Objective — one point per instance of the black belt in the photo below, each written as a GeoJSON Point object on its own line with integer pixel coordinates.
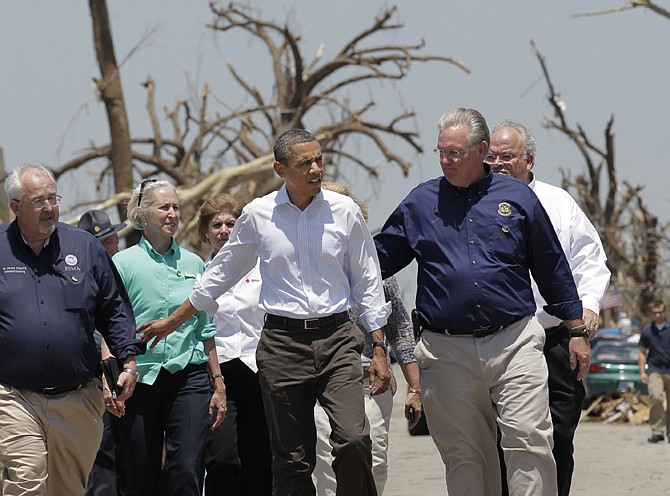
{"type": "Point", "coordinates": [53, 391]}
{"type": "Point", "coordinates": [285, 323]}
{"type": "Point", "coordinates": [477, 332]}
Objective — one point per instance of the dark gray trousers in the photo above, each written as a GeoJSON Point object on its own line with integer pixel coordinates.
{"type": "Point", "coordinates": [296, 367]}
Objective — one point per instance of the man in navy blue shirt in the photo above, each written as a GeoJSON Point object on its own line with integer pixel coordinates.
{"type": "Point", "coordinates": [654, 361]}
{"type": "Point", "coordinates": [57, 285]}
{"type": "Point", "coordinates": [475, 237]}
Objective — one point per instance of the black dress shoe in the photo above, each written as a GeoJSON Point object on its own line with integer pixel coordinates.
{"type": "Point", "coordinates": [656, 438]}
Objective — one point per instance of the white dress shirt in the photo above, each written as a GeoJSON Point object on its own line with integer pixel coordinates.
{"type": "Point", "coordinates": [581, 245]}
{"type": "Point", "coordinates": [313, 262]}
{"type": "Point", "coordinates": [239, 320]}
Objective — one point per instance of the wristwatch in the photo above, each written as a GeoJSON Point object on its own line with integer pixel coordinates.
{"type": "Point", "coordinates": [134, 373]}
{"type": "Point", "coordinates": [579, 332]}
{"type": "Point", "coordinates": [380, 344]}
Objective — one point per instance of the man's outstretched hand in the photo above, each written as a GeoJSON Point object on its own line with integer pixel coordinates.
{"type": "Point", "coordinates": [156, 330]}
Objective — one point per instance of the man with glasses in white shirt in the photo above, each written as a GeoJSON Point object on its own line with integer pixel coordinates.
{"type": "Point", "coordinates": [512, 152]}
{"type": "Point", "coordinates": [316, 258]}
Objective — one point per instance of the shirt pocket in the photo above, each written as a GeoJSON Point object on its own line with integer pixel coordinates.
{"type": "Point", "coordinates": [506, 239]}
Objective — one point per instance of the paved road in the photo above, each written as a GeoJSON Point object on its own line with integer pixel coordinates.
{"type": "Point", "coordinates": [611, 460]}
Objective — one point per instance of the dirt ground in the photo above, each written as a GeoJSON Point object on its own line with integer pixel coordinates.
{"type": "Point", "coordinates": [610, 460]}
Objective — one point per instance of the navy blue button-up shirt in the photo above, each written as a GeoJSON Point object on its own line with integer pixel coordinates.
{"type": "Point", "coordinates": [51, 303]}
{"type": "Point", "coordinates": [474, 248]}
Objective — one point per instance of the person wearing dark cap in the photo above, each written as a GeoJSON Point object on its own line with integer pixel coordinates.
{"type": "Point", "coordinates": [102, 479]}
{"type": "Point", "coordinates": [98, 224]}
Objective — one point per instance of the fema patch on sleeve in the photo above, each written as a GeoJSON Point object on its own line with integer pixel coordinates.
{"type": "Point", "coordinates": [504, 209]}
{"type": "Point", "coordinates": [71, 260]}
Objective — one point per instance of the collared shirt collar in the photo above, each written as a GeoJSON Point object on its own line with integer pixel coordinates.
{"type": "Point", "coordinates": [144, 243]}
{"type": "Point", "coordinates": [282, 196]}
{"type": "Point", "coordinates": [479, 186]}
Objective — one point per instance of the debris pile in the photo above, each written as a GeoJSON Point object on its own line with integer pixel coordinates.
{"type": "Point", "coordinates": [626, 408]}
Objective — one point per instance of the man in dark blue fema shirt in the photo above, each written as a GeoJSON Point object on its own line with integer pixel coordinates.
{"type": "Point", "coordinates": [57, 285]}
{"type": "Point", "coordinates": [475, 237]}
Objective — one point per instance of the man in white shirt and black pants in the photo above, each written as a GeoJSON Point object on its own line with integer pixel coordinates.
{"type": "Point", "coordinates": [512, 152]}
{"type": "Point", "coordinates": [316, 255]}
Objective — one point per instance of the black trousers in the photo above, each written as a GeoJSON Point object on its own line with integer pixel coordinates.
{"type": "Point", "coordinates": [102, 479]}
{"type": "Point", "coordinates": [296, 368]}
{"type": "Point", "coordinates": [170, 416]}
{"type": "Point", "coordinates": [566, 396]}
{"type": "Point", "coordinates": [238, 457]}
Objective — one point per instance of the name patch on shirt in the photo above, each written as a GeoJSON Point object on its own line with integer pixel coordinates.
{"type": "Point", "coordinates": [13, 270]}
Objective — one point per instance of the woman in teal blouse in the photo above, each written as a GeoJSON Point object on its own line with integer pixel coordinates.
{"type": "Point", "coordinates": [172, 400]}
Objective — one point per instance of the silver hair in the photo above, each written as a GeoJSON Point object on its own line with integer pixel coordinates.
{"type": "Point", "coordinates": [13, 185]}
{"type": "Point", "coordinates": [282, 147]}
{"type": "Point", "coordinates": [148, 190]}
{"type": "Point", "coordinates": [478, 130]}
{"type": "Point", "coordinates": [527, 138]}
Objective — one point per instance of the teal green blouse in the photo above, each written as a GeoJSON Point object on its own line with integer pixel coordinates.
{"type": "Point", "coordinates": [157, 284]}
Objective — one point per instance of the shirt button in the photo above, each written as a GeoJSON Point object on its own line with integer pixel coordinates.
{"type": "Point", "coordinates": [45, 322]}
{"type": "Point", "coordinates": [476, 283]}
{"type": "Point", "coordinates": [472, 241]}
{"type": "Point", "coordinates": [470, 221]}
{"type": "Point", "coordinates": [479, 306]}
{"type": "Point", "coordinates": [473, 262]}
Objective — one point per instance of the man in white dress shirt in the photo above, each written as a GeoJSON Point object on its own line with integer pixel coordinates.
{"type": "Point", "coordinates": [316, 256]}
{"type": "Point", "coordinates": [512, 152]}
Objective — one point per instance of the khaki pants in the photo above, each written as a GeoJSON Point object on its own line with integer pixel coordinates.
{"type": "Point", "coordinates": [469, 384]}
{"type": "Point", "coordinates": [69, 425]}
{"type": "Point", "coordinates": [378, 410]}
{"type": "Point", "coordinates": [659, 413]}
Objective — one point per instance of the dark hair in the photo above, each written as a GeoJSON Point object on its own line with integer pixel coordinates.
{"type": "Point", "coordinates": [283, 144]}
{"type": "Point", "coordinates": [213, 206]}
{"type": "Point", "coordinates": [656, 304]}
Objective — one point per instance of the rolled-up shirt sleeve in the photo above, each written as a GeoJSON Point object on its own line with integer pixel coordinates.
{"type": "Point", "coordinates": [366, 281]}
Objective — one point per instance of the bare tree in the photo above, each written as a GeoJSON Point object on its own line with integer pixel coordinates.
{"type": "Point", "coordinates": [210, 147]}
{"type": "Point", "coordinates": [632, 237]}
{"type": "Point", "coordinates": [111, 94]}
{"type": "Point", "coordinates": [645, 4]}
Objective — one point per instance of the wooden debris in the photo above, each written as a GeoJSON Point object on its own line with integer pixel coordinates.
{"type": "Point", "coordinates": [626, 408]}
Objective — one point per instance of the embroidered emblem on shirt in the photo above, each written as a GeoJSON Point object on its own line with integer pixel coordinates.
{"type": "Point", "coordinates": [504, 209]}
{"type": "Point", "coordinates": [71, 260]}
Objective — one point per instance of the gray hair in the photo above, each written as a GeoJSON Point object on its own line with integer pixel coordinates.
{"type": "Point", "coordinates": [148, 189]}
{"type": "Point", "coordinates": [527, 138]}
{"type": "Point", "coordinates": [13, 185]}
{"type": "Point", "coordinates": [282, 147]}
{"type": "Point", "coordinates": [478, 131]}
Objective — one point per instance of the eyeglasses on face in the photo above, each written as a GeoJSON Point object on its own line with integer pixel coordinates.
{"type": "Point", "coordinates": [504, 158]}
{"type": "Point", "coordinates": [453, 153]}
{"type": "Point", "coordinates": [142, 185]}
{"type": "Point", "coordinates": [38, 203]}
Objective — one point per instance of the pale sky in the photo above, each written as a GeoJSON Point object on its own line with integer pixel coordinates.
{"type": "Point", "coordinates": [616, 64]}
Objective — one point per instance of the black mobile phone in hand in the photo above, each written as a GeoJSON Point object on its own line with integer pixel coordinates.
{"type": "Point", "coordinates": [412, 415]}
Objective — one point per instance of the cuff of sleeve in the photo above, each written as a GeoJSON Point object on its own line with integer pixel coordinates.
{"type": "Point", "coordinates": [201, 300]}
{"type": "Point", "coordinates": [591, 303]}
{"type": "Point", "coordinates": [375, 318]}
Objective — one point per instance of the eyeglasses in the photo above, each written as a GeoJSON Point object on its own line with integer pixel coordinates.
{"type": "Point", "coordinates": [504, 158]}
{"type": "Point", "coordinates": [53, 200]}
{"type": "Point", "coordinates": [453, 154]}
{"type": "Point", "coordinates": [142, 185]}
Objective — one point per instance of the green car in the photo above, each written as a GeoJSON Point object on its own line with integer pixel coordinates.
{"type": "Point", "coordinates": [614, 370]}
